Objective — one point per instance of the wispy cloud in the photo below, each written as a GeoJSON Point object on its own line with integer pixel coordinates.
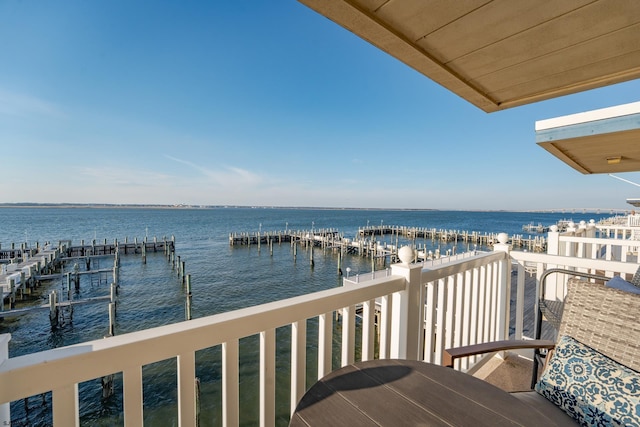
{"type": "Point", "coordinates": [123, 177]}
{"type": "Point", "coordinates": [224, 176]}
{"type": "Point", "coordinates": [19, 104]}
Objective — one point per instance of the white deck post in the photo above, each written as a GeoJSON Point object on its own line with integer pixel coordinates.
{"type": "Point", "coordinates": [407, 314]}
{"type": "Point", "coordinates": [5, 408]}
{"type": "Point", "coordinates": [504, 288]}
{"type": "Point", "coordinates": [553, 248]}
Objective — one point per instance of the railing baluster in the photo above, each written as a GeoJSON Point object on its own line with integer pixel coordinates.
{"type": "Point", "coordinates": [132, 396]}
{"type": "Point", "coordinates": [368, 312]}
{"type": "Point", "coordinates": [325, 339]}
{"type": "Point", "coordinates": [442, 316]}
{"type": "Point", "coordinates": [451, 310]}
{"type": "Point", "coordinates": [230, 384]}
{"type": "Point", "coordinates": [65, 406]}
{"type": "Point", "coordinates": [385, 326]}
{"type": "Point", "coordinates": [430, 322]}
{"type": "Point", "coordinates": [486, 304]}
{"type": "Point", "coordinates": [492, 301]}
{"type": "Point", "coordinates": [348, 335]}
{"type": "Point", "coordinates": [475, 309]}
{"type": "Point", "coordinates": [519, 321]}
{"type": "Point", "coordinates": [459, 310]}
{"type": "Point", "coordinates": [298, 361]}
{"type": "Point", "coordinates": [187, 389]}
{"type": "Point", "coordinates": [466, 315]}
{"type": "Point", "coordinates": [267, 378]}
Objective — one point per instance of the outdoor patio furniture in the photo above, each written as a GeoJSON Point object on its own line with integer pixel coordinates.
{"type": "Point", "coordinates": [598, 348]}
{"type": "Point", "coordinates": [551, 310]}
{"type": "Point", "coordinates": [392, 392]}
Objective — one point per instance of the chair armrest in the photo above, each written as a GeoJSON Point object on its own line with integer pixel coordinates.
{"type": "Point", "coordinates": [451, 354]}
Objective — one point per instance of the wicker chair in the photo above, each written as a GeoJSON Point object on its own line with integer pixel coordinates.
{"type": "Point", "coordinates": [551, 311]}
{"type": "Point", "coordinates": [600, 317]}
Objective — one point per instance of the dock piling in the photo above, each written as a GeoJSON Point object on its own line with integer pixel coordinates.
{"type": "Point", "coordinates": [12, 297]}
{"type": "Point", "coordinates": [188, 301]}
{"type": "Point", "coordinates": [53, 309]}
{"type": "Point", "coordinates": [112, 319]}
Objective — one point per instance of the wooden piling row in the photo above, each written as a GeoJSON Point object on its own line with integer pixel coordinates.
{"type": "Point", "coordinates": [45, 263]}
{"type": "Point", "coordinates": [332, 237]}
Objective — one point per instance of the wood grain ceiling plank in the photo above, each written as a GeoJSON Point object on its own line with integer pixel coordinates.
{"type": "Point", "coordinates": [416, 19]}
{"type": "Point", "coordinates": [586, 76]}
{"type": "Point", "coordinates": [588, 61]}
{"type": "Point", "coordinates": [495, 22]}
{"type": "Point", "coordinates": [590, 22]}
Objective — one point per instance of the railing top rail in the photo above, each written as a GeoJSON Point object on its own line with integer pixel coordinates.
{"type": "Point", "coordinates": [598, 264]}
{"type": "Point", "coordinates": [93, 359]}
{"type": "Point", "coordinates": [598, 240]}
{"type": "Point", "coordinates": [465, 264]}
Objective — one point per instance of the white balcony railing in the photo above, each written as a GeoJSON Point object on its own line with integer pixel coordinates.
{"type": "Point", "coordinates": [421, 312]}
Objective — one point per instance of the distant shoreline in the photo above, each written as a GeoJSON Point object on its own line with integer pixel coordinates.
{"type": "Point", "coordinates": [201, 207]}
{"type": "Point", "coordinates": [155, 206]}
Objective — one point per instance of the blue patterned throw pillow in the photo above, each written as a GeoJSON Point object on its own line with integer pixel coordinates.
{"type": "Point", "coordinates": [592, 388]}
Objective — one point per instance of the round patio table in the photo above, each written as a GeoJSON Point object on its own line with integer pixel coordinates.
{"type": "Point", "coordinates": [403, 392]}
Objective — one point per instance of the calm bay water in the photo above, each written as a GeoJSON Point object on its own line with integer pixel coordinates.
{"type": "Point", "coordinates": [223, 278]}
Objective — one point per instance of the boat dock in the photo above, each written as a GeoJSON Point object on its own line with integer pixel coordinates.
{"type": "Point", "coordinates": [364, 243]}
{"type": "Point", "coordinates": [24, 268]}
{"type": "Point", "coordinates": [535, 243]}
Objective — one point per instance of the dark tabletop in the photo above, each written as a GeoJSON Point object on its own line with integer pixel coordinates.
{"type": "Point", "coordinates": [402, 392]}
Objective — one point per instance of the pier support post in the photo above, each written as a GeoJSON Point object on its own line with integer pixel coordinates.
{"type": "Point", "coordinates": [188, 302]}
{"type": "Point", "coordinates": [113, 293]}
{"type": "Point", "coordinates": [311, 256]}
{"type": "Point", "coordinates": [53, 309]}
{"type": "Point", "coordinates": [23, 285]}
{"type": "Point", "coordinates": [112, 319]}
{"type": "Point", "coordinates": [12, 297]}
{"type": "Point", "coordinates": [144, 252]}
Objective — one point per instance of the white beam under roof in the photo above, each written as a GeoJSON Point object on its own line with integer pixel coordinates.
{"type": "Point", "coordinates": [598, 141]}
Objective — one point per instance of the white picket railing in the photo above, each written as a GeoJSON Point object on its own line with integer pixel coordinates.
{"type": "Point", "coordinates": [422, 312]}
{"type": "Point", "coordinates": [60, 370]}
{"type": "Point", "coordinates": [467, 302]}
{"type": "Point", "coordinates": [400, 335]}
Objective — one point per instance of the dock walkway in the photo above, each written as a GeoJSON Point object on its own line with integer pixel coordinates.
{"type": "Point", "coordinates": [364, 244]}
{"type": "Point", "coordinates": [23, 268]}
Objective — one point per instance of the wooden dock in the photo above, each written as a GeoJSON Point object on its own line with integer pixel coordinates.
{"type": "Point", "coordinates": [24, 268]}
{"type": "Point", "coordinates": [536, 243]}
{"type": "Point", "coordinates": [365, 244]}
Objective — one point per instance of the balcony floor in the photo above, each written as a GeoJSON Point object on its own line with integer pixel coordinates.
{"type": "Point", "coordinates": [510, 374]}
{"type": "Point", "coordinates": [513, 373]}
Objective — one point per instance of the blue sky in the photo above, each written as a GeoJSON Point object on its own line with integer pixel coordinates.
{"type": "Point", "coordinates": [258, 103]}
